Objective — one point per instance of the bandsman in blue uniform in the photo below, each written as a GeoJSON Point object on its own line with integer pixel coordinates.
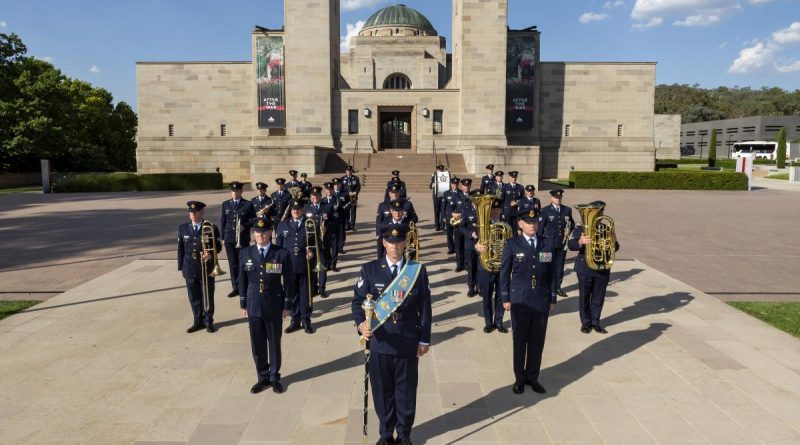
{"type": "Point", "coordinates": [396, 181]}
{"type": "Point", "coordinates": [487, 179]}
{"type": "Point", "coordinates": [263, 201]}
{"type": "Point", "coordinates": [525, 288]}
{"type": "Point", "coordinates": [281, 199]}
{"type": "Point", "coordinates": [592, 284]}
{"type": "Point", "coordinates": [291, 235]}
{"type": "Point", "coordinates": [447, 213]}
{"type": "Point", "coordinates": [343, 209]}
{"type": "Point", "coordinates": [497, 188]}
{"type": "Point", "coordinates": [488, 281]}
{"type": "Point", "coordinates": [292, 182]}
{"type": "Point", "coordinates": [555, 226]}
{"type": "Point", "coordinates": [469, 234]}
{"type": "Point", "coordinates": [265, 296]}
{"type": "Point", "coordinates": [437, 200]}
{"type": "Point", "coordinates": [396, 346]}
{"type": "Point", "coordinates": [236, 208]}
{"type": "Point", "coordinates": [331, 238]}
{"type": "Point", "coordinates": [456, 209]}
{"type": "Point", "coordinates": [320, 214]}
{"type": "Point", "coordinates": [351, 185]}
{"type": "Point", "coordinates": [530, 201]}
{"type": "Point", "coordinates": [305, 186]}
{"type": "Point", "coordinates": [190, 254]}
{"type": "Point", "coordinates": [512, 196]}
{"type": "Point", "coordinates": [397, 217]}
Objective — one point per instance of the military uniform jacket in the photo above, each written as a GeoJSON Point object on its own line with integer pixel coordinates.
{"type": "Point", "coordinates": [343, 202]}
{"type": "Point", "coordinates": [265, 286]}
{"type": "Point", "coordinates": [281, 198]}
{"type": "Point", "coordinates": [525, 275]}
{"type": "Point", "coordinates": [305, 187]}
{"type": "Point", "coordinates": [291, 184]}
{"type": "Point", "coordinates": [399, 335]}
{"type": "Point", "coordinates": [259, 203]}
{"type": "Point", "coordinates": [485, 181]}
{"type": "Point", "coordinates": [351, 184]}
{"type": "Point", "coordinates": [401, 189]}
{"type": "Point", "coordinates": [319, 214]}
{"type": "Point", "coordinates": [581, 268]}
{"type": "Point", "coordinates": [332, 209]}
{"type": "Point", "coordinates": [498, 190]}
{"type": "Point", "coordinates": [384, 215]}
{"type": "Point", "coordinates": [469, 224]}
{"type": "Point", "coordinates": [458, 203]}
{"type": "Point", "coordinates": [447, 200]}
{"type": "Point", "coordinates": [246, 214]}
{"type": "Point", "coordinates": [513, 192]}
{"type": "Point", "coordinates": [553, 226]}
{"type": "Point", "coordinates": [526, 203]}
{"type": "Point", "coordinates": [293, 239]}
{"type": "Point", "coordinates": [190, 251]}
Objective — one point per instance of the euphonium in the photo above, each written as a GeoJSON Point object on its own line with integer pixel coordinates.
{"type": "Point", "coordinates": [412, 242]}
{"type": "Point", "coordinates": [601, 250]}
{"type": "Point", "coordinates": [208, 243]}
{"type": "Point", "coordinates": [494, 236]}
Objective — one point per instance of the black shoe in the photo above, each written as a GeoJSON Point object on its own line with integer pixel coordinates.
{"type": "Point", "coordinates": [277, 387]}
{"type": "Point", "coordinates": [403, 442]}
{"type": "Point", "coordinates": [536, 387]}
{"type": "Point", "coordinates": [599, 329]}
{"type": "Point", "coordinates": [471, 293]}
{"type": "Point", "coordinates": [309, 329]}
{"type": "Point", "coordinates": [292, 328]}
{"type": "Point", "coordinates": [194, 328]}
{"type": "Point", "coordinates": [258, 387]}
{"type": "Point", "coordinates": [488, 329]}
{"type": "Point", "coordinates": [586, 328]}
{"type": "Point", "coordinates": [561, 293]}
{"type": "Point", "coordinates": [450, 252]}
{"type": "Point", "coordinates": [335, 269]}
{"type": "Point", "coordinates": [323, 295]}
{"type": "Point", "coordinates": [502, 329]}
{"type": "Point", "coordinates": [518, 388]}
{"type": "Point", "coordinates": [385, 442]}
{"type": "Point", "coordinates": [460, 269]}
{"type": "Point", "coordinates": [211, 329]}
{"type": "Point", "coordinates": [233, 293]}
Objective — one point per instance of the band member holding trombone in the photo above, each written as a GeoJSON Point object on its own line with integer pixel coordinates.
{"type": "Point", "coordinates": [291, 235]}
{"type": "Point", "coordinates": [191, 254]}
{"type": "Point", "coordinates": [401, 289]}
{"type": "Point", "coordinates": [237, 217]}
{"type": "Point", "coordinates": [266, 290]}
{"type": "Point", "coordinates": [281, 200]}
{"type": "Point", "coordinates": [320, 215]}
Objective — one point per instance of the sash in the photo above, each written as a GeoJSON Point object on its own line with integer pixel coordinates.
{"type": "Point", "coordinates": [395, 294]}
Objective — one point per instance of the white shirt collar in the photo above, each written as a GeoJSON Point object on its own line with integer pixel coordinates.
{"type": "Point", "coordinates": [265, 247]}
{"type": "Point", "coordinates": [399, 264]}
{"type": "Point", "coordinates": [529, 238]}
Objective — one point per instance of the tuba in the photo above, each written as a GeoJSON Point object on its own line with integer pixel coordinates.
{"type": "Point", "coordinates": [601, 250]}
{"type": "Point", "coordinates": [208, 242]}
{"type": "Point", "coordinates": [412, 242]}
{"type": "Point", "coordinates": [494, 236]}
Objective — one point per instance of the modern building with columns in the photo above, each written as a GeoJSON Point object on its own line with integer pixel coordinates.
{"type": "Point", "coordinates": [491, 100]}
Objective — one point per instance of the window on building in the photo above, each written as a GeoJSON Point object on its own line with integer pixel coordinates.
{"type": "Point", "coordinates": [171, 130]}
{"type": "Point", "coordinates": [732, 130]}
{"type": "Point", "coordinates": [775, 128]}
{"type": "Point", "coordinates": [397, 81]}
{"type": "Point", "coordinates": [748, 129]}
{"type": "Point", "coordinates": [223, 130]}
{"type": "Point", "coordinates": [797, 129]}
{"type": "Point", "coordinates": [438, 121]}
{"type": "Point", "coordinates": [619, 130]}
{"type": "Point", "coordinates": [352, 121]}
{"type": "Point", "coordinates": [702, 132]}
{"type": "Point", "coordinates": [690, 133]}
{"type": "Point", "coordinates": [718, 131]}
{"type": "Point", "coordinates": [568, 130]}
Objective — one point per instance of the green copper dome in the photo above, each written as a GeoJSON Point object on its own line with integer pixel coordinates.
{"type": "Point", "coordinates": [399, 15]}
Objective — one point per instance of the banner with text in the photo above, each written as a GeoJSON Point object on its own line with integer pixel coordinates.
{"type": "Point", "coordinates": [521, 62]}
{"type": "Point", "coordinates": [270, 82]}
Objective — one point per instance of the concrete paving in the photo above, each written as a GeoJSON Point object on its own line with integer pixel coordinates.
{"type": "Point", "coordinates": [108, 361]}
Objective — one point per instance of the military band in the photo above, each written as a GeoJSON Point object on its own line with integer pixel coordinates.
{"type": "Point", "coordinates": [487, 280]}
{"type": "Point", "coordinates": [555, 226]}
{"type": "Point", "coordinates": [194, 249]}
{"type": "Point", "coordinates": [291, 235]}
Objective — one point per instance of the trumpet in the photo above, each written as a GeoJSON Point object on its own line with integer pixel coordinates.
{"type": "Point", "coordinates": [208, 242]}
{"type": "Point", "coordinates": [312, 242]}
{"type": "Point", "coordinates": [455, 220]}
{"type": "Point", "coordinates": [412, 242]}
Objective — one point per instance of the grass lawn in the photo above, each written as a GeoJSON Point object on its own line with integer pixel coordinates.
{"type": "Point", "coordinates": [11, 307]}
{"type": "Point", "coordinates": [20, 190]}
{"type": "Point", "coordinates": [783, 315]}
{"type": "Point", "coordinates": [783, 176]}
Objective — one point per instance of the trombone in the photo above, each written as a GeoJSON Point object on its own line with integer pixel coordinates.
{"type": "Point", "coordinates": [312, 242]}
{"type": "Point", "coordinates": [208, 243]}
{"type": "Point", "coordinates": [238, 227]}
{"type": "Point", "coordinates": [412, 242]}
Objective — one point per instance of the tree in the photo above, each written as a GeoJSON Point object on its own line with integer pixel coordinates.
{"type": "Point", "coordinates": [781, 155]}
{"type": "Point", "coordinates": [712, 149]}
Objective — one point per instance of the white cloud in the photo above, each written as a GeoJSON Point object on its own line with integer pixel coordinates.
{"type": "Point", "coordinates": [788, 35]}
{"type": "Point", "coordinates": [614, 4]}
{"type": "Point", "coordinates": [765, 55]}
{"type": "Point", "coordinates": [352, 5]}
{"type": "Point", "coordinates": [588, 17]}
{"type": "Point", "coordinates": [690, 12]}
{"type": "Point", "coordinates": [94, 69]}
{"type": "Point", "coordinates": [3, 24]}
{"type": "Point", "coordinates": [655, 21]}
{"type": "Point", "coordinates": [47, 59]}
{"type": "Point", "coordinates": [722, 45]}
{"type": "Point", "coordinates": [352, 31]}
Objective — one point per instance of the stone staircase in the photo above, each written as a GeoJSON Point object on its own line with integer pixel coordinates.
{"type": "Point", "coordinates": [375, 169]}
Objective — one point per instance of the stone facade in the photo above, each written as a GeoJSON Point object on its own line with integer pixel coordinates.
{"type": "Point", "coordinates": [666, 136]}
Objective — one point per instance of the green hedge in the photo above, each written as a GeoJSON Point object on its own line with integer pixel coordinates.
{"type": "Point", "coordinates": [664, 180]}
{"type": "Point", "coordinates": [131, 182]}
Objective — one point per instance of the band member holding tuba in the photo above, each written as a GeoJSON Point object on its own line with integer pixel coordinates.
{"type": "Point", "coordinates": [191, 254]}
{"type": "Point", "coordinates": [351, 185]}
{"type": "Point", "coordinates": [555, 226]}
{"type": "Point", "coordinates": [491, 236]}
{"type": "Point", "coordinates": [593, 240]}
{"type": "Point", "coordinates": [446, 214]}
{"type": "Point", "coordinates": [403, 294]}
{"type": "Point", "coordinates": [265, 295]}
{"type": "Point", "coordinates": [291, 235]}
{"type": "Point", "coordinates": [237, 217]}
{"type": "Point", "coordinates": [526, 290]}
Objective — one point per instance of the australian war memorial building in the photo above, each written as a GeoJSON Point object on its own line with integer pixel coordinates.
{"type": "Point", "coordinates": [491, 100]}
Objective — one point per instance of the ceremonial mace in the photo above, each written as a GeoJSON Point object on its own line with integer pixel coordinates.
{"type": "Point", "coordinates": [369, 310]}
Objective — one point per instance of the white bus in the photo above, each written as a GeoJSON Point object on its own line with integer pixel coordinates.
{"type": "Point", "coordinates": [759, 149]}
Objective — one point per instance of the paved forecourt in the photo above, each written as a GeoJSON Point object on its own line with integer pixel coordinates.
{"type": "Point", "coordinates": [109, 362]}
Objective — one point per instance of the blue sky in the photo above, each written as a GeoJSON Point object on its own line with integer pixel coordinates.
{"type": "Point", "coordinates": [711, 42]}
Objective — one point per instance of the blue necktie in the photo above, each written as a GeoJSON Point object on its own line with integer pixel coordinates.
{"type": "Point", "coordinates": [394, 271]}
{"type": "Point", "coordinates": [263, 254]}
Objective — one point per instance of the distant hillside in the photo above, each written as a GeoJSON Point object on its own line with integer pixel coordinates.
{"type": "Point", "coordinates": [697, 104]}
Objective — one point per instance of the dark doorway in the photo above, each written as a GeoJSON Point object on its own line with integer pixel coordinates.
{"type": "Point", "coordinates": [395, 130]}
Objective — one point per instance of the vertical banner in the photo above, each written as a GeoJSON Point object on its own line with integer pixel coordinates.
{"type": "Point", "coordinates": [270, 82]}
{"type": "Point", "coordinates": [521, 63]}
